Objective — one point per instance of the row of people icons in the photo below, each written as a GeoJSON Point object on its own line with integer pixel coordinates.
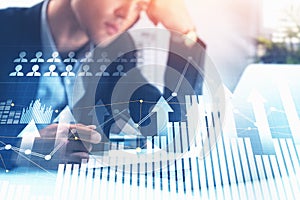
{"type": "Point", "coordinates": [85, 71]}
{"type": "Point", "coordinates": [137, 57]}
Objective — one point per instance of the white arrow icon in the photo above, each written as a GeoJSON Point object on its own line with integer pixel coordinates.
{"type": "Point", "coordinates": [290, 110]}
{"type": "Point", "coordinates": [162, 108]}
{"type": "Point", "coordinates": [65, 118]}
{"type": "Point", "coordinates": [193, 116]}
{"type": "Point", "coordinates": [262, 123]}
{"type": "Point", "coordinates": [229, 127]}
{"type": "Point", "coordinates": [28, 134]}
{"type": "Point", "coordinates": [98, 113]}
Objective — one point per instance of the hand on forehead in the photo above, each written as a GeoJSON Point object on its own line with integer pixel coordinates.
{"type": "Point", "coordinates": [142, 4]}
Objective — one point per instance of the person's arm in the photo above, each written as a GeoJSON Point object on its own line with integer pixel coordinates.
{"type": "Point", "coordinates": [185, 72]}
{"type": "Point", "coordinates": [185, 44]}
{"type": "Point", "coordinates": [183, 51]}
{"type": "Point", "coordinates": [172, 14]}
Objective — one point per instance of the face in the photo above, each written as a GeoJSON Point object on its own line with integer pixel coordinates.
{"type": "Point", "coordinates": [103, 20]}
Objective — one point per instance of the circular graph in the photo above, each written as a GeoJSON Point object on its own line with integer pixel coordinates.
{"type": "Point", "coordinates": [152, 98]}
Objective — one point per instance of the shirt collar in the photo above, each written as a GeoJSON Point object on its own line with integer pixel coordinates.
{"type": "Point", "coordinates": [48, 43]}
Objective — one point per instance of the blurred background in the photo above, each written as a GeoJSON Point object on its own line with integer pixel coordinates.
{"type": "Point", "coordinates": [238, 32]}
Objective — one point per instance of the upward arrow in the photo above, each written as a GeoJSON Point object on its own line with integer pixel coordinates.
{"type": "Point", "coordinates": [262, 123]}
{"type": "Point", "coordinates": [162, 108]}
{"type": "Point", "coordinates": [65, 118]}
{"type": "Point", "coordinates": [193, 115]}
{"type": "Point", "coordinates": [229, 127]}
{"type": "Point", "coordinates": [98, 113]}
{"type": "Point", "coordinates": [28, 134]}
{"type": "Point", "coordinates": [290, 109]}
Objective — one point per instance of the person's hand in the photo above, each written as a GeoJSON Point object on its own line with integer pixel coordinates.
{"type": "Point", "coordinates": [172, 14]}
{"type": "Point", "coordinates": [72, 143]}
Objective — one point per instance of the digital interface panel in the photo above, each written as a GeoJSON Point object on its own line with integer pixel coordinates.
{"type": "Point", "coordinates": [178, 143]}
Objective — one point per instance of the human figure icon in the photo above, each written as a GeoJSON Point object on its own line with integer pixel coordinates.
{"type": "Point", "coordinates": [68, 71]}
{"type": "Point", "coordinates": [120, 58]}
{"type": "Point", "coordinates": [54, 58]}
{"type": "Point", "coordinates": [17, 71]}
{"type": "Point", "coordinates": [38, 58]}
{"type": "Point", "coordinates": [104, 58]}
{"type": "Point", "coordinates": [88, 57]}
{"type": "Point", "coordinates": [102, 71]}
{"type": "Point", "coordinates": [71, 58]}
{"type": "Point", "coordinates": [137, 57]}
{"type": "Point", "coordinates": [51, 71]}
{"type": "Point", "coordinates": [85, 71]}
{"type": "Point", "coordinates": [34, 72]}
{"type": "Point", "coordinates": [21, 58]}
{"type": "Point", "coordinates": [119, 71]}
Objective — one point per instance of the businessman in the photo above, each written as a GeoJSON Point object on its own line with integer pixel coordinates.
{"type": "Point", "coordinates": [65, 26]}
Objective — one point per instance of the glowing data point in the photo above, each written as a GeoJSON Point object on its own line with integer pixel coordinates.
{"type": "Point", "coordinates": [56, 111]}
{"type": "Point", "coordinates": [174, 94]}
{"type": "Point", "coordinates": [12, 104]}
{"type": "Point", "coordinates": [27, 151]}
{"type": "Point", "coordinates": [7, 171]}
{"type": "Point", "coordinates": [141, 101]}
{"type": "Point", "coordinates": [48, 157]}
{"type": "Point", "coordinates": [249, 128]}
{"type": "Point", "coordinates": [138, 150]}
{"type": "Point", "coordinates": [7, 147]}
{"type": "Point", "coordinates": [76, 138]}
